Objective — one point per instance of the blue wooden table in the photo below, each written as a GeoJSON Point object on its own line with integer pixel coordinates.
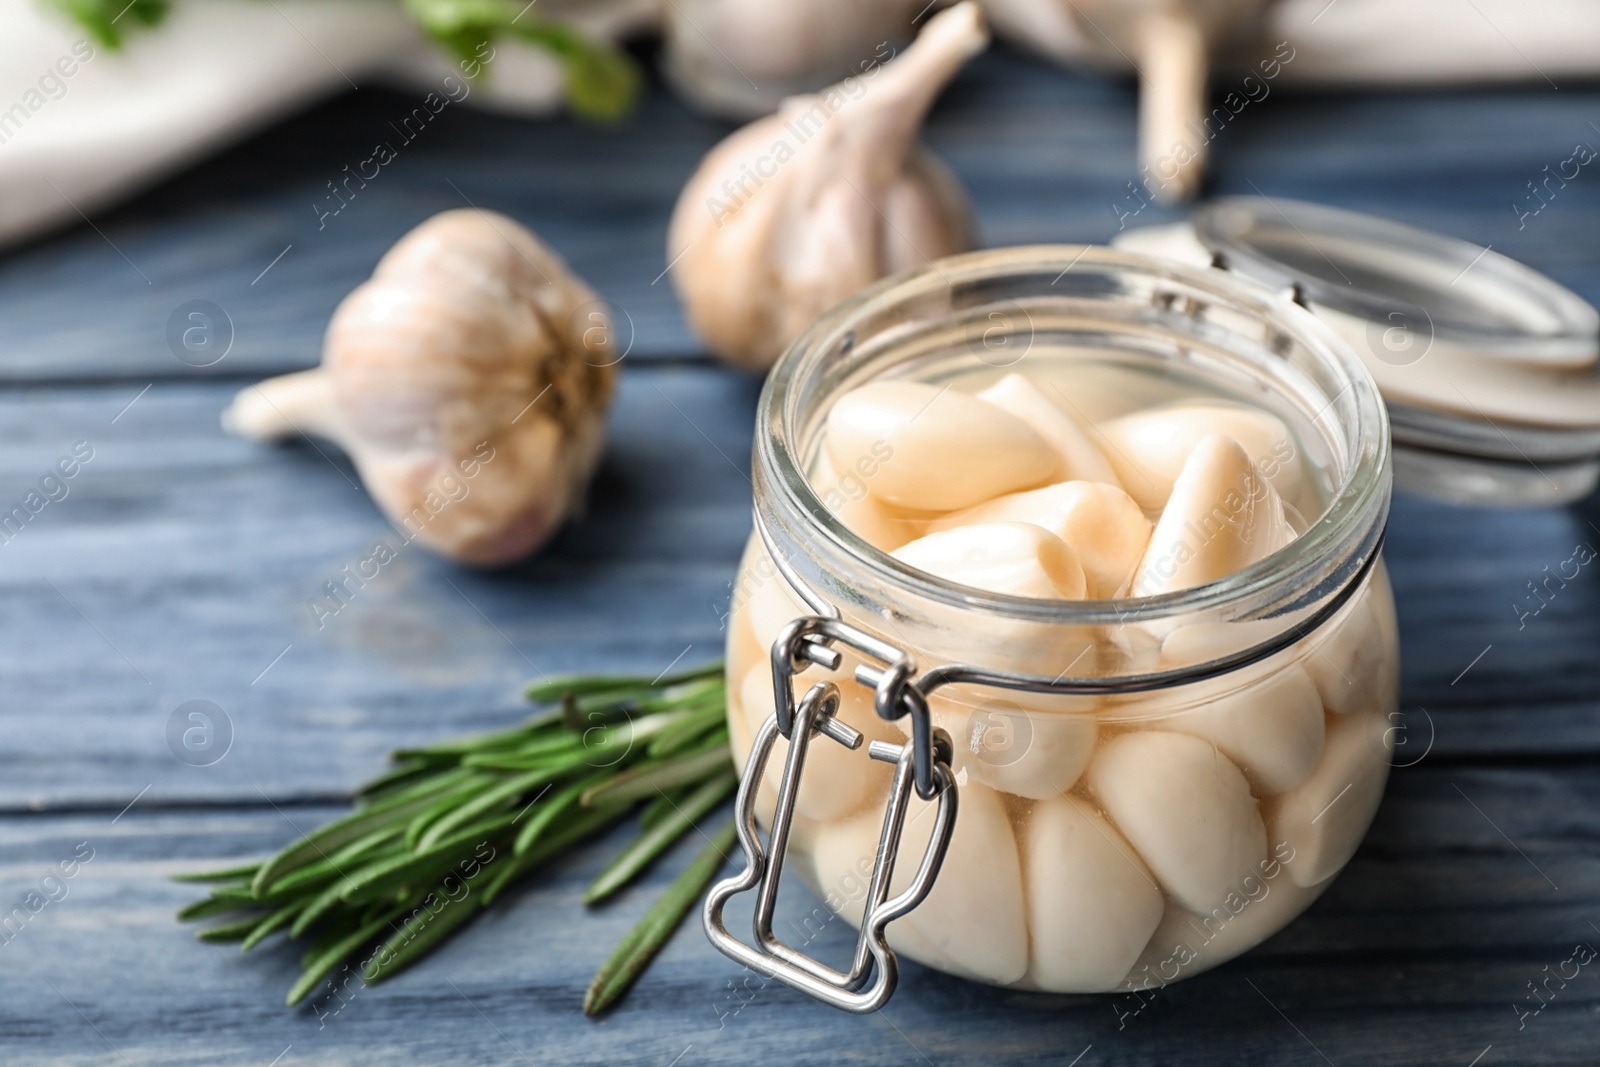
{"type": "Point", "coordinates": [180, 563]}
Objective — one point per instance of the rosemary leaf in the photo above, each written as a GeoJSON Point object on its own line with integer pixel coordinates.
{"type": "Point", "coordinates": [229, 874]}
{"type": "Point", "coordinates": [656, 840]}
{"type": "Point", "coordinates": [319, 843]}
{"type": "Point", "coordinates": [547, 811]}
{"type": "Point", "coordinates": [237, 930]}
{"type": "Point", "coordinates": [271, 924]}
{"type": "Point", "coordinates": [209, 908]}
{"type": "Point", "coordinates": [322, 964]}
{"type": "Point", "coordinates": [584, 823]}
{"type": "Point", "coordinates": [420, 935]}
{"type": "Point", "coordinates": [629, 959]}
{"type": "Point", "coordinates": [498, 796]}
{"type": "Point", "coordinates": [646, 779]}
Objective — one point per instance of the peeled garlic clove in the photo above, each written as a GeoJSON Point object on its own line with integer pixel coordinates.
{"type": "Point", "coordinates": [795, 212]}
{"type": "Point", "coordinates": [1271, 726]}
{"type": "Point", "coordinates": [1324, 819]}
{"type": "Point", "coordinates": [880, 525]}
{"type": "Point", "coordinates": [741, 58]}
{"type": "Point", "coordinates": [843, 855]}
{"type": "Point", "coordinates": [740, 740]}
{"type": "Point", "coordinates": [1092, 903]}
{"type": "Point", "coordinates": [467, 380]}
{"type": "Point", "coordinates": [1100, 523]}
{"type": "Point", "coordinates": [1078, 458]}
{"type": "Point", "coordinates": [1222, 516]}
{"type": "Point", "coordinates": [937, 449]}
{"type": "Point", "coordinates": [1020, 743]}
{"type": "Point", "coordinates": [1185, 944]}
{"type": "Point", "coordinates": [836, 782]}
{"type": "Point", "coordinates": [1349, 664]}
{"type": "Point", "coordinates": [1186, 808]}
{"type": "Point", "coordinates": [973, 920]}
{"type": "Point", "coordinates": [1149, 448]}
{"type": "Point", "coordinates": [763, 596]}
{"type": "Point", "coordinates": [1011, 558]}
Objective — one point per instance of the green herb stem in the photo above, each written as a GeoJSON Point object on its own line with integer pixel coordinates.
{"type": "Point", "coordinates": [629, 959]}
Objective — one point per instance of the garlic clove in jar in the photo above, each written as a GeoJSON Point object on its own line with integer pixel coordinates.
{"type": "Point", "coordinates": [880, 525]}
{"type": "Point", "coordinates": [1026, 744]}
{"type": "Point", "coordinates": [1324, 819]}
{"type": "Point", "coordinates": [1149, 448]}
{"type": "Point", "coordinates": [1102, 525]}
{"type": "Point", "coordinates": [1187, 810]}
{"type": "Point", "coordinates": [1270, 724]}
{"type": "Point", "coordinates": [1011, 558]}
{"type": "Point", "coordinates": [1349, 664]}
{"type": "Point", "coordinates": [763, 596]}
{"type": "Point", "coordinates": [793, 213]}
{"type": "Point", "coordinates": [1078, 457]}
{"type": "Point", "coordinates": [1222, 516]}
{"type": "Point", "coordinates": [973, 921]}
{"type": "Point", "coordinates": [836, 782]}
{"type": "Point", "coordinates": [1185, 944]}
{"type": "Point", "coordinates": [741, 739]}
{"type": "Point", "coordinates": [937, 449]}
{"type": "Point", "coordinates": [740, 58]}
{"type": "Point", "coordinates": [467, 380]}
{"type": "Point", "coordinates": [1092, 903]}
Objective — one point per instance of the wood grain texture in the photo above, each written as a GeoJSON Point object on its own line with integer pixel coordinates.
{"type": "Point", "coordinates": [182, 563]}
{"type": "Point", "coordinates": [1046, 155]}
{"type": "Point", "coordinates": [1416, 955]}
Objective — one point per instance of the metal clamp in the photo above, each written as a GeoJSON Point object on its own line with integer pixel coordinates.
{"type": "Point", "coordinates": [804, 642]}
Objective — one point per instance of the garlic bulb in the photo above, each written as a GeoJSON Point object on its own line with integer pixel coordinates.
{"type": "Point", "coordinates": [1169, 42]}
{"type": "Point", "coordinates": [740, 58]}
{"type": "Point", "coordinates": [795, 212]}
{"type": "Point", "coordinates": [467, 379]}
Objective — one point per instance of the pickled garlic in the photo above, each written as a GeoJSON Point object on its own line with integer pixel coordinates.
{"type": "Point", "coordinates": [1095, 833]}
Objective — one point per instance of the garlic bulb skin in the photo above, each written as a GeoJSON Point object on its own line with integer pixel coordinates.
{"type": "Point", "coordinates": [468, 381]}
{"type": "Point", "coordinates": [797, 211]}
{"type": "Point", "coordinates": [739, 59]}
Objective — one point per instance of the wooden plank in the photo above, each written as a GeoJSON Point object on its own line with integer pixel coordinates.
{"type": "Point", "coordinates": [1416, 955]}
{"type": "Point", "coordinates": [184, 562]}
{"type": "Point", "coordinates": [1046, 155]}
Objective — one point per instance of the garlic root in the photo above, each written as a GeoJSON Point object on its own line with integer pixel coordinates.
{"type": "Point", "coordinates": [796, 211]}
{"type": "Point", "coordinates": [1172, 95]}
{"type": "Point", "coordinates": [467, 379]}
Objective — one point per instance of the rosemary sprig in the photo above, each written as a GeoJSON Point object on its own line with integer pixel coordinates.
{"type": "Point", "coordinates": [437, 838]}
{"type": "Point", "coordinates": [629, 959]}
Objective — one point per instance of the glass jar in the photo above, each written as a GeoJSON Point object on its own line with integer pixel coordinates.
{"type": "Point", "coordinates": [1157, 784]}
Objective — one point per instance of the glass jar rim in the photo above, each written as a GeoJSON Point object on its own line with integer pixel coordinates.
{"type": "Point", "coordinates": [1350, 526]}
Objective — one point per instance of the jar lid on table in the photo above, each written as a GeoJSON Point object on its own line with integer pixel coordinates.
{"type": "Point", "coordinates": [1488, 368]}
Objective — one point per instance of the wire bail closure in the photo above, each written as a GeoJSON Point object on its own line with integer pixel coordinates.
{"type": "Point", "coordinates": [923, 764]}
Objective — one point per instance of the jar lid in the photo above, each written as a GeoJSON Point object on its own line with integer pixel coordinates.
{"type": "Point", "coordinates": [1489, 368]}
